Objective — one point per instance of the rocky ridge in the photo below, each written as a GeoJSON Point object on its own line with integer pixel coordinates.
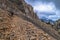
{"type": "Point", "coordinates": [19, 22]}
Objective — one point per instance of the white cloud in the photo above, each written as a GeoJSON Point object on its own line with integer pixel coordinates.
{"type": "Point", "coordinates": [54, 17]}
{"type": "Point", "coordinates": [45, 7]}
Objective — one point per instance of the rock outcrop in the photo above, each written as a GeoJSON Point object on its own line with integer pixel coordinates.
{"type": "Point", "coordinates": [19, 22]}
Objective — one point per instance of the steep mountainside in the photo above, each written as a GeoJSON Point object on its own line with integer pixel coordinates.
{"type": "Point", "coordinates": [19, 22]}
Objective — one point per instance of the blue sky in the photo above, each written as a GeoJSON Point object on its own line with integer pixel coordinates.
{"type": "Point", "coordinates": [46, 8]}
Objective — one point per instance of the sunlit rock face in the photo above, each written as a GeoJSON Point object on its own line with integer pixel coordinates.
{"type": "Point", "coordinates": [46, 8]}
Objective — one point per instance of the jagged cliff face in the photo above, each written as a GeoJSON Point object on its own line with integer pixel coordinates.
{"type": "Point", "coordinates": [15, 6]}
{"type": "Point", "coordinates": [13, 23]}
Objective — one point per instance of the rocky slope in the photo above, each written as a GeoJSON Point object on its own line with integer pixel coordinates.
{"type": "Point", "coordinates": [19, 22]}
